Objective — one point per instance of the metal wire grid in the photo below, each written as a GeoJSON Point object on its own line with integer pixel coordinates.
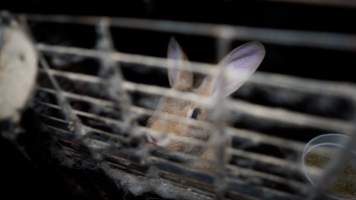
{"type": "Point", "coordinates": [264, 176]}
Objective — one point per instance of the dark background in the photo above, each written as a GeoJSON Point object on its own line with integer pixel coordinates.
{"type": "Point", "coordinates": [19, 178]}
{"type": "Point", "coordinates": [305, 62]}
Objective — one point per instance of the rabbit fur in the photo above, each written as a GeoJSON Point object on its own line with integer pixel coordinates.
{"type": "Point", "coordinates": [240, 64]}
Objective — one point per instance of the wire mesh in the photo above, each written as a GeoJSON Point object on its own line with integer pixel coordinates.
{"type": "Point", "coordinates": [107, 113]}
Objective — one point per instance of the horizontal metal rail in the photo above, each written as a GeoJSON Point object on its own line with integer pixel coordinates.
{"type": "Point", "coordinates": [337, 41]}
{"type": "Point", "coordinates": [276, 114]}
{"type": "Point", "coordinates": [334, 3]}
{"type": "Point", "coordinates": [263, 78]}
{"type": "Point", "coordinates": [235, 170]}
{"type": "Point", "coordinates": [288, 164]}
{"type": "Point", "coordinates": [168, 116]}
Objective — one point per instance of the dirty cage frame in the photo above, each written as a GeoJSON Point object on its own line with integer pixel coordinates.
{"type": "Point", "coordinates": [128, 166]}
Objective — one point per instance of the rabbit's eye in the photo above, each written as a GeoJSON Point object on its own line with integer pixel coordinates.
{"type": "Point", "coordinates": [195, 113]}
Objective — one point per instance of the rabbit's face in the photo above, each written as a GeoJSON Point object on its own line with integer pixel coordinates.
{"type": "Point", "coordinates": [181, 109]}
{"type": "Point", "coordinates": [239, 65]}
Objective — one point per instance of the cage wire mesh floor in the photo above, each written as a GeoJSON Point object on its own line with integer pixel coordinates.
{"type": "Point", "coordinates": [94, 103]}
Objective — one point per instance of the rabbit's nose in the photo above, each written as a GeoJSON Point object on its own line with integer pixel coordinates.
{"type": "Point", "coordinates": [150, 139]}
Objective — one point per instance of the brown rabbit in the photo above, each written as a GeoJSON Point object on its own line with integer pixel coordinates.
{"type": "Point", "coordinates": [240, 64]}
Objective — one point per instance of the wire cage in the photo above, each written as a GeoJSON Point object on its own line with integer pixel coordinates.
{"type": "Point", "coordinates": [94, 103]}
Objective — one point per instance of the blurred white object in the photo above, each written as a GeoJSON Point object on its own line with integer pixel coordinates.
{"type": "Point", "coordinates": [322, 150]}
{"type": "Point", "coordinates": [18, 70]}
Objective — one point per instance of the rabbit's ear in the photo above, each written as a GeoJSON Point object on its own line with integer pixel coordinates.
{"type": "Point", "coordinates": [178, 78]}
{"type": "Point", "coordinates": [239, 65]}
